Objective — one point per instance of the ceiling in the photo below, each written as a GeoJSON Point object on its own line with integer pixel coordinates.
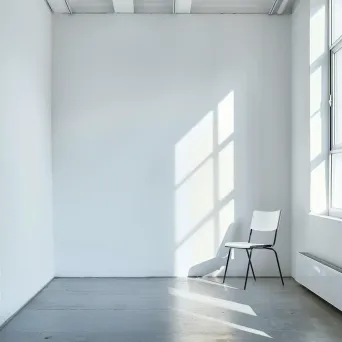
{"type": "Point", "coordinates": [275, 7]}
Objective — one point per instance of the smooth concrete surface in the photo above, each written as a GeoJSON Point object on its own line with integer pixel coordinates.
{"type": "Point", "coordinates": [169, 309]}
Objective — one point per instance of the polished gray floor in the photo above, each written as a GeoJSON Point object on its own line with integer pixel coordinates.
{"type": "Point", "coordinates": [174, 310]}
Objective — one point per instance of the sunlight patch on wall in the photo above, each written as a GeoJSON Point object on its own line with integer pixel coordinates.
{"type": "Point", "coordinates": [317, 35]}
{"type": "Point", "coordinates": [204, 177]}
{"type": "Point", "coordinates": [316, 135]}
{"type": "Point", "coordinates": [316, 91]}
{"type": "Point", "coordinates": [226, 218]}
{"type": "Point", "coordinates": [197, 248]}
{"type": "Point", "coordinates": [226, 118]}
{"type": "Point", "coordinates": [194, 200]}
{"type": "Point", "coordinates": [226, 170]}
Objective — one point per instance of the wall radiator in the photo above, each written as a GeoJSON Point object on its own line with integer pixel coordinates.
{"type": "Point", "coordinates": [320, 277]}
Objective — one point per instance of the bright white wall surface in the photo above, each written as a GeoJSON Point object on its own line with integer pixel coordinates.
{"type": "Point", "coordinates": [26, 244]}
{"type": "Point", "coordinates": [315, 234]}
{"type": "Point", "coordinates": [167, 130]}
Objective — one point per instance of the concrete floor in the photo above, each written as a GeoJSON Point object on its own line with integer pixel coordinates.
{"type": "Point", "coordinates": [174, 310]}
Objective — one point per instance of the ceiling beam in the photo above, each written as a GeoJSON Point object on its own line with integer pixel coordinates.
{"type": "Point", "coordinates": [67, 5]}
{"type": "Point", "coordinates": [182, 6]}
{"type": "Point", "coordinates": [59, 6]}
{"type": "Point", "coordinates": [282, 7]}
{"type": "Point", "coordinates": [275, 7]}
{"type": "Point", "coordinates": [123, 6]}
{"type": "Point", "coordinates": [49, 6]}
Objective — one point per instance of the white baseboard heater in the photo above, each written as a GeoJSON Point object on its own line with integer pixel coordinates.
{"type": "Point", "coordinates": [320, 277]}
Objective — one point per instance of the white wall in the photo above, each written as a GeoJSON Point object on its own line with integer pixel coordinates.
{"type": "Point", "coordinates": [26, 246]}
{"type": "Point", "coordinates": [137, 104]}
{"type": "Point", "coordinates": [300, 126]}
{"type": "Point", "coordinates": [315, 234]}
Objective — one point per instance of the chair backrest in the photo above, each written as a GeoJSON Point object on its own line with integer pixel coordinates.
{"type": "Point", "coordinates": [265, 221]}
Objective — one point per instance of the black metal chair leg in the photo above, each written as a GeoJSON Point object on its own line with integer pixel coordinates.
{"type": "Point", "coordinates": [250, 257]}
{"type": "Point", "coordinates": [225, 272]}
{"type": "Point", "coordinates": [281, 276]}
{"type": "Point", "coordinates": [249, 262]}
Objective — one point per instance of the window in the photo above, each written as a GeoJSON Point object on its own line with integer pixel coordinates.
{"type": "Point", "coordinates": [336, 29]}
{"type": "Point", "coordinates": [336, 108]}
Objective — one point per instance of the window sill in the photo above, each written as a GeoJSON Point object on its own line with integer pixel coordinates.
{"type": "Point", "coordinates": [326, 217]}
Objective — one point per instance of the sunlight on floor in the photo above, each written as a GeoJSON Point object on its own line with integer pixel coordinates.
{"type": "Point", "coordinates": [221, 322]}
{"type": "Point", "coordinates": [212, 301]}
{"type": "Point", "coordinates": [211, 281]}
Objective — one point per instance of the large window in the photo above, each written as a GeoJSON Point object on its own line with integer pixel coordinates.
{"type": "Point", "coordinates": [336, 107]}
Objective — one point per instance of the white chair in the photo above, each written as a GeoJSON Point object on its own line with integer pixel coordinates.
{"type": "Point", "coordinates": [262, 221]}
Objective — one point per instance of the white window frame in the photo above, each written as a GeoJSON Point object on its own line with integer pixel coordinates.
{"type": "Point", "coordinates": [334, 47]}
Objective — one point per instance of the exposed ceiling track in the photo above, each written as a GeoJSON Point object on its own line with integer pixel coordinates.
{"type": "Point", "coordinates": [67, 5]}
{"type": "Point", "coordinates": [280, 7]}
{"type": "Point", "coordinates": [48, 4]}
{"type": "Point", "coordinates": [275, 4]}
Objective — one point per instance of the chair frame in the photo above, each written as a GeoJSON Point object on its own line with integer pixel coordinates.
{"type": "Point", "coordinates": [249, 251]}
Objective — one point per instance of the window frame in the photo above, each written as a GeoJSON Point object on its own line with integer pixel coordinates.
{"type": "Point", "coordinates": [334, 48]}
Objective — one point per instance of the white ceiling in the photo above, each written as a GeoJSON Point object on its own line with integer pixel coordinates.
{"type": "Point", "coordinates": [170, 6]}
{"type": "Point", "coordinates": [153, 6]}
{"type": "Point", "coordinates": [231, 6]}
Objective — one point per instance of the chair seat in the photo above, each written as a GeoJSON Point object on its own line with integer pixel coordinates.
{"type": "Point", "coordinates": [245, 245]}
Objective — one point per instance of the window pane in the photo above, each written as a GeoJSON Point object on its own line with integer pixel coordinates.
{"type": "Point", "coordinates": [338, 98]}
{"type": "Point", "coordinates": [336, 20]}
{"type": "Point", "coordinates": [336, 183]}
